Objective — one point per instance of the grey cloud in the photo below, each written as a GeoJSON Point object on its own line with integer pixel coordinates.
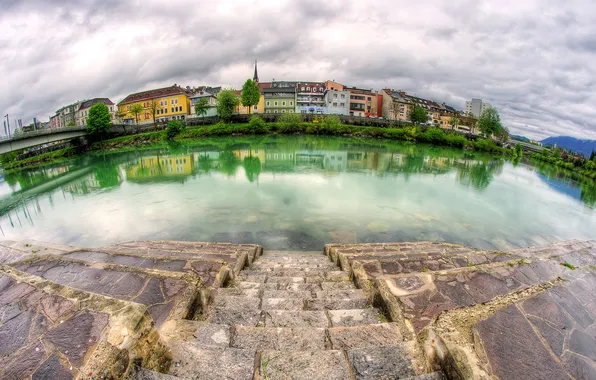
{"type": "Point", "coordinates": [531, 61]}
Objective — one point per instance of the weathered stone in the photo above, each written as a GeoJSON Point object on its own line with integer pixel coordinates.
{"type": "Point", "coordinates": [579, 367]}
{"type": "Point", "coordinates": [298, 287]}
{"type": "Point", "coordinates": [583, 344]}
{"type": "Point", "coordinates": [554, 337]}
{"type": "Point", "coordinates": [428, 376]}
{"type": "Point", "coordinates": [348, 337]}
{"type": "Point", "coordinates": [335, 303]}
{"type": "Point", "coordinates": [387, 362]}
{"type": "Point", "coordinates": [249, 285]}
{"type": "Point", "coordinates": [145, 374]}
{"type": "Point", "coordinates": [236, 302]}
{"type": "Point", "coordinates": [249, 293]}
{"type": "Point", "coordinates": [282, 304]}
{"type": "Point", "coordinates": [203, 334]}
{"type": "Point", "coordinates": [279, 338]}
{"type": "Point", "coordinates": [248, 317]}
{"type": "Point", "coordinates": [341, 294]}
{"type": "Point", "coordinates": [337, 285]}
{"type": "Point", "coordinates": [304, 365]}
{"type": "Point", "coordinates": [52, 368]}
{"type": "Point", "coordinates": [353, 317]}
{"type": "Point", "coordinates": [285, 280]}
{"type": "Point", "coordinates": [287, 294]}
{"type": "Point", "coordinates": [279, 318]}
{"type": "Point", "coordinates": [190, 361]}
{"type": "Point", "coordinates": [513, 349]}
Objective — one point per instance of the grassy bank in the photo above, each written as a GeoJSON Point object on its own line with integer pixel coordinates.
{"type": "Point", "coordinates": [435, 136]}
{"type": "Point", "coordinates": [576, 163]}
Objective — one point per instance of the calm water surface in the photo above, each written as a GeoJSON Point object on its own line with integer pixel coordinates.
{"type": "Point", "coordinates": [297, 193]}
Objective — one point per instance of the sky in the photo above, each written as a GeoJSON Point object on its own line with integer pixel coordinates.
{"type": "Point", "coordinates": [535, 61]}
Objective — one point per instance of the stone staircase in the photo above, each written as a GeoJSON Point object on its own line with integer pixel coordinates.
{"type": "Point", "coordinates": [291, 315]}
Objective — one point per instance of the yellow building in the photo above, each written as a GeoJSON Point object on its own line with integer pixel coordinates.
{"type": "Point", "coordinates": [171, 103]}
{"type": "Point", "coordinates": [241, 110]}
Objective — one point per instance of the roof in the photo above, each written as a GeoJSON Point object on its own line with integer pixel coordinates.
{"type": "Point", "coordinates": [279, 89]}
{"type": "Point", "coordinates": [264, 85]}
{"type": "Point", "coordinates": [153, 94]}
{"type": "Point", "coordinates": [90, 102]}
{"type": "Point", "coordinates": [359, 91]}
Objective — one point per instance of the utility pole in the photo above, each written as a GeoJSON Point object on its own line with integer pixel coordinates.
{"type": "Point", "coordinates": [8, 124]}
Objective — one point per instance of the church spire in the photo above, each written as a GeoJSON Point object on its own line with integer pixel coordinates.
{"type": "Point", "coordinates": [256, 76]}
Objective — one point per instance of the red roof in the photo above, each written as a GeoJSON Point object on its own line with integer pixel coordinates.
{"type": "Point", "coordinates": [153, 94]}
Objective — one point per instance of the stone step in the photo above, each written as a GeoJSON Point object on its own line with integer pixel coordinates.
{"type": "Point", "coordinates": [191, 361]}
{"type": "Point", "coordinates": [304, 365]}
{"type": "Point", "coordinates": [293, 272]}
{"type": "Point", "coordinates": [146, 374]}
{"type": "Point", "coordinates": [295, 318]}
{"type": "Point", "coordinates": [281, 286]}
{"type": "Point", "coordinates": [287, 294]}
{"type": "Point", "coordinates": [284, 304]}
{"type": "Point", "coordinates": [335, 304]}
{"type": "Point", "coordinates": [225, 316]}
{"type": "Point", "coordinates": [428, 376]}
{"type": "Point", "coordinates": [264, 265]}
{"type": "Point", "coordinates": [381, 362]}
{"type": "Point", "coordinates": [292, 277]}
{"type": "Point", "coordinates": [236, 302]}
{"type": "Point", "coordinates": [355, 317]}
{"type": "Point", "coordinates": [341, 294]}
{"type": "Point", "coordinates": [362, 336]}
{"type": "Point", "coordinates": [252, 293]}
{"type": "Point", "coordinates": [202, 334]}
{"type": "Point", "coordinates": [279, 338]}
{"type": "Point", "coordinates": [272, 253]}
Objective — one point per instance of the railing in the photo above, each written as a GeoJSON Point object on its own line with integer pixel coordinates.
{"type": "Point", "coordinates": [42, 132]}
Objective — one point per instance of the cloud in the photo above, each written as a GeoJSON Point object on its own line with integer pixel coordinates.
{"type": "Point", "coordinates": [531, 61]}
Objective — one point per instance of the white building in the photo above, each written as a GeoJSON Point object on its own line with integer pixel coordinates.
{"type": "Point", "coordinates": [476, 107]}
{"type": "Point", "coordinates": [82, 109]}
{"type": "Point", "coordinates": [338, 102]}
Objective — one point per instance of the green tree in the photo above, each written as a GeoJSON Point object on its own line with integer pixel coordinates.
{"type": "Point", "coordinates": [69, 124]}
{"type": "Point", "coordinates": [227, 101]}
{"type": "Point", "coordinates": [153, 107]}
{"type": "Point", "coordinates": [418, 115]}
{"type": "Point", "coordinates": [454, 121]}
{"type": "Point", "coordinates": [136, 109]}
{"type": "Point", "coordinates": [202, 107]}
{"type": "Point", "coordinates": [173, 129]}
{"type": "Point", "coordinates": [518, 150]}
{"type": "Point", "coordinates": [593, 155]}
{"type": "Point", "coordinates": [99, 119]}
{"type": "Point", "coordinates": [490, 122]}
{"type": "Point", "coordinates": [251, 94]}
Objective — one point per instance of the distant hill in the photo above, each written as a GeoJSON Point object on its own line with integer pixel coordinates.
{"type": "Point", "coordinates": [584, 147]}
{"type": "Point", "coordinates": [520, 138]}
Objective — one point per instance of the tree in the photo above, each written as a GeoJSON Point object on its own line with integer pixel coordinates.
{"type": "Point", "coordinates": [418, 115]}
{"type": "Point", "coordinates": [490, 122]}
{"type": "Point", "coordinates": [227, 101]}
{"type": "Point", "coordinates": [251, 94]}
{"type": "Point", "coordinates": [99, 119]}
{"type": "Point", "coordinates": [395, 109]}
{"type": "Point", "coordinates": [202, 107]}
{"type": "Point", "coordinates": [173, 129]}
{"type": "Point", "coordinates": [454, 121]}
{"type": "Point", "coordinates": [136, 109]}
{"type": "Point", "coordinates": [153, 107]}
{"type": "Point", "coordinates": [593, 155]}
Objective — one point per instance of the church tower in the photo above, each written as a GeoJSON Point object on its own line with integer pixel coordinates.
{"type": "Point", "coordinates": [256, 76]}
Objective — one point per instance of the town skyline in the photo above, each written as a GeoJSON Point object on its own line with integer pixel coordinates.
{"type": "Point", "coordinates": [508, 56]}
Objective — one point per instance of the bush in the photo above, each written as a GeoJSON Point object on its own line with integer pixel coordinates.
{"type": "Point", "coordinates": [486, 145]}
{"type": "Point", "coordinates": [434, 135]}
{"type": "Point", "coordinates": [173, 129]}
{"type": "Point", "coordinates": [331, 122]}
{"type": "Point", "coordinates": [257, 125]}
{"type": "Point", "coordinates": [290, 122]}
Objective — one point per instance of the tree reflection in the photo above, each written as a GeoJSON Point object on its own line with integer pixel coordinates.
{"type": "Point", "coordinates": [228, 162]}
{"type": "Point", "coordinates": [205, 163]}
{"type": "Point", "coordinates": [106, 174]}
{"type": "Point", "coordinates": [252, 167]}
{"type": "Point", "coordinates": [588, 193]}
{"type": "Point", "coordinates": [478, 174]}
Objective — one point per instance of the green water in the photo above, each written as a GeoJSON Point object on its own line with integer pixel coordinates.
{"type": "Point", "coordinates": [297, 193]}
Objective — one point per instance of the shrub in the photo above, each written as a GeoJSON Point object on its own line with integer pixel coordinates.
{"type": "Point", "coordinates": [290, 122]}
{"type": "Point", "coordinates": [331, 122]}
{"type": "Point", "coordinates": [257, 125]}
{"type": "Point", "coordinates": [434, 135]}
{"type": "Point", "coordinates": [486, 145]}
{"type": "Point", "coordinates": [173, 129]}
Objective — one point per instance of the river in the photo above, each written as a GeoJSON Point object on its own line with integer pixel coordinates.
{"type": "Point", "coordinates": [296, 193]}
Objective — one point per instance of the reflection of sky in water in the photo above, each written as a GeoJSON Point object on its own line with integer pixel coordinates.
{"type": "Point", "coordinates": [320, 191]}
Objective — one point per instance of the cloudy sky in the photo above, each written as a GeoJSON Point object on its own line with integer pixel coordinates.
{"type": "Point", "coordinates": [535, 61]}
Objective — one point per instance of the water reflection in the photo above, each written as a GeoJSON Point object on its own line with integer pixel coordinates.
{"type": "Point", "coordinates": [295, 189]}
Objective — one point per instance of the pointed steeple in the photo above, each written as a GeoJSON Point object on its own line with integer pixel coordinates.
{"type": "Point", "coordinates": [256, 76]}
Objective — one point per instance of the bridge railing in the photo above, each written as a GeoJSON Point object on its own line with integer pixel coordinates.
{"type": "Point", "coordinates": [41, 132]}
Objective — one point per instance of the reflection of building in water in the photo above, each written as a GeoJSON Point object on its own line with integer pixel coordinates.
{"type": "Point", "coordinates": [160, 166]}
{"type": "Point", "coordinates": [279, 161]}
{"type": "Point", "coordinates": [336, 161]}
{"type": "Point", "coordinates": [310, 159]}
{"type": "Point", "coordinates": [83, 185]}
{"type": "Point", "coordinates": [243, 153]}
{"type": "Point", "coordinates": [206, 161]}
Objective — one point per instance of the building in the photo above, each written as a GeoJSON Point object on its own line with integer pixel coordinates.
{"type": "Point", "coordinates": [363, 102]}
{"type": "Point", "coordinates": [66, 115]}
{"type": "Point", "coordinates": [173, 103]}
{"type": "Point", "coordinates": [280, 97]}
{"type": "Point", "coordinates": [338, 102]}
{"type": "Point", "coordinates": [210, 93]}
{"type": "Point", "coordinates": [242, 110]}
{"type": "Point", "coordinates": [476, 107]}
{"type": "Point", "coordinates": [55, 121]}
{"type": "Point", "coordinates": [397, 105]}
{"type": "Point", "coordinates": [82, 109]}
{"type": "Point", "coordinates": [333, 85]}
{"type": "Point", "coordinates": [310, 97]}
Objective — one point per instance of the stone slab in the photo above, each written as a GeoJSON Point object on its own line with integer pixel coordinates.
{"type": "Point", "coordinates": [279, 318]}
{"type": "Point", "coordinates": [279, 338]}
{"type": "Point", "coordinates": [285, 280]}
{"type": "Point", "coordinates": [204, 334]}
{"type": "Point", "coordinates": [287, 294]}
{"type": "Point", "coordinates": [387, 362]}
{"type": "Point", "coordinates": [356, 317]}
{"type": "Point", "coordinates": [335, 304]}
{"type": "Point", "coordinates": [349, 337]}
{"type": "Point", "coordinates": [236, 302]}
{"type": "Point", "coordinates": [341, 294]}
{"type": "Point", "coordinates": [298, 286]}
{"type": "Point", "coordinates": [192, 362]}
{"type": "Point", "coordinates": [145, 374]}
{"type": "Point", "coordinates": [250, 317]}
{"type": "Point", "coordinates": [304, 365]}
{"type": "Point", "coordinates": [337, 285]}
{"type": "Point", "coordinates": [282, 304]}
{"type": "Point", "coordinates": [238, 291]}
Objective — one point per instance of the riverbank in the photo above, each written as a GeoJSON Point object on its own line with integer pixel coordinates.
{"type": "Point", "coordinates": [435, 136]}
{"type": "Point", "coordinates": [583, 167]}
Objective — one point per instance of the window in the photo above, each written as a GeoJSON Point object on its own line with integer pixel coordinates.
{"type": "Point", "coordinates": [342, 104]}
{"type": "Point", "coordinates": [314, 89]}
{"type": "Point", "coordinates": [172, 109]}
{"type": "Point", "coordinates": [165, 102]}
{"type": "Point", "coordinates": [275, 104]}
{"type": "Point", "coordinates": [283, 111]}
{"type": "Point", "coordinates": [290, 111]}
{"type": "Point", "coordinates": [369, 99]}
{"type": "Point", "coordinates": [335, 96]}
{"type": "Point", "coordinates": [274, 111]}
{"type": "Point", "coordinates": [308, 89]}
{"type": "Point", "coordinates": [283, 103]}
{"type": "Point", "coordinates": [334, 104]}
{"type": "Point", "coordinates": [301, 88]}
{"type": "Point", "coordinates": [291, 103]}
{"type": "Point", "coordinates": [267, 103]}
{"type": "Point", "coordinates": [343, 96]}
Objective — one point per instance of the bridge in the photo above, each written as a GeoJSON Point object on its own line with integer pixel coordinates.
{"type": "Point", "coordinates": [43, 136]}
{"type": "Point", "coordinates": [526, 146]}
